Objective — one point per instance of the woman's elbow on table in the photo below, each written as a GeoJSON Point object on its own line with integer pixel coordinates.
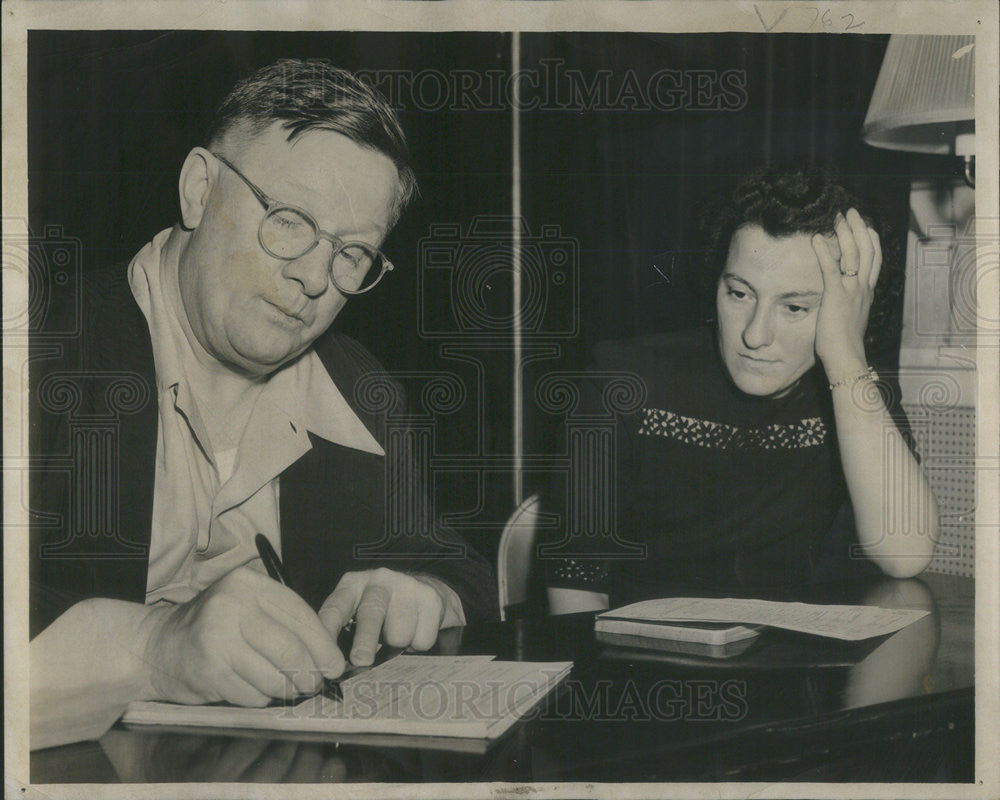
{"type": "Point", "coordinates": [908, 562]}
{"type": "Point", "coordinates": [571, 601]}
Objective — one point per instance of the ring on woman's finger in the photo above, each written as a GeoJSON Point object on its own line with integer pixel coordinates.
{"type": "Point", "coordinates": [849, 274]}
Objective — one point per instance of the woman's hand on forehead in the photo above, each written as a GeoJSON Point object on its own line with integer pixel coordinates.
{"type": "Point", "coordinates": [833, 244]}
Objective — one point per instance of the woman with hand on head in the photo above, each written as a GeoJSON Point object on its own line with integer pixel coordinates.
{"type": "Point", "coordinates": [768, 452]}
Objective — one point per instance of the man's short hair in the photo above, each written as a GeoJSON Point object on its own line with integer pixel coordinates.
{"type": "Point", "coordinates": [312, 94]}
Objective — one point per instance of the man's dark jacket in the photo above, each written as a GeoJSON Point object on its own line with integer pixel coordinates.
{"type": "Point", "coordinates": [93, 415]}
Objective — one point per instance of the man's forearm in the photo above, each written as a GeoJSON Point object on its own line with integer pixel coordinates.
{"type": "Point", "coordinates": [92, 656]}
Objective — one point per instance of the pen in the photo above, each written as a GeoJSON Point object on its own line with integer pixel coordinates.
{"type": "Point", "coordinates": [274, 567]}
{"type": "Point", "coordinates": [271, 561]}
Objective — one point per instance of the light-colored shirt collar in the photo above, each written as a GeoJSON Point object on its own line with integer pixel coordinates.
{"type": "Point", "coordinates": [302, 389]}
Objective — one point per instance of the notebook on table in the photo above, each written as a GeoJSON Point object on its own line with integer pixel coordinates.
{"type": "Point", "coordinates": [630, 646]}
{"type": "Point", "coordinates": [473, 697]}
{"type": "Point", "coordinates": [724, 622]}
{"type": "Point", "coordinates": [634, 622]}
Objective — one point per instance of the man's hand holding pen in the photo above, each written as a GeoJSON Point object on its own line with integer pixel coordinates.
{"type": "Point", "coordinates": [249, 639]}
{"type": "Point", "coordinates": [246, 639]}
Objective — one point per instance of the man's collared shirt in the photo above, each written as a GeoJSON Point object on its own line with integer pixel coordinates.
{"type": "Point", "coordinates": [208, 506]}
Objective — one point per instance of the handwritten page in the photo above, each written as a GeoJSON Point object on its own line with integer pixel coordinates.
{"type": "Point", "coordinates": [443, 696]}
{"type": "Point", "coordinates": [851, 623]}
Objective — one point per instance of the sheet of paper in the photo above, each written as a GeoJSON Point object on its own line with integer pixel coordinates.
{"type": "Point", "coordinates": [851, 623]}
{"type": "Point", "coordinates": [444, 689]}
{"type": "Point", "coordinates": [462, 696]}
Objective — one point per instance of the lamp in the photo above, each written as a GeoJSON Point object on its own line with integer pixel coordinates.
{"type": "Point", "coordinates": [924, 98]}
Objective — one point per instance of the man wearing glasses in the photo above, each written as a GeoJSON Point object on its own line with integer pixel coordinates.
{"type": "Point", "coordinates": [254, 428]}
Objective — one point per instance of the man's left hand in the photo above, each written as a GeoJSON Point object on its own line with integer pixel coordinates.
{"type": "Point", "coordinates": [408, 610]}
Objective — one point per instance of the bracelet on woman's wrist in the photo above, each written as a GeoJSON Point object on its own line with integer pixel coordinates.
{"type": "Point", "coordinates": [868, 375]}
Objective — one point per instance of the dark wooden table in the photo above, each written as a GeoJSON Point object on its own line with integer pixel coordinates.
{"type": "Point", "coordinates": [791, 708]}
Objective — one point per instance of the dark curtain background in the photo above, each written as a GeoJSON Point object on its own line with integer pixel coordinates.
{"type": "Point", "coordinates": [623, 163]}
{"type": "Point", "coordinates": [610, 178]}
{"type": "Point", "coordinates": [112, 114]}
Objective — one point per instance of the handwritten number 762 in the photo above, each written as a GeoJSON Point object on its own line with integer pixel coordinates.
{"type": "Point", "coordinates": [824, 16]}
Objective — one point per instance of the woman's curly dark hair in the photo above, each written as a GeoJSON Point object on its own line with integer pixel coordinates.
{"type": "Point", "coordinates": [784, 202]}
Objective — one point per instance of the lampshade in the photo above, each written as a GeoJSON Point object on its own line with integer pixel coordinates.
{"type": "Point", "coordinates": [924, 98]}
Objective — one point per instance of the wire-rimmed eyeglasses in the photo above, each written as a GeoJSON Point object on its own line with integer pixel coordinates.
{"type": "Point", "coordinates": [289, 232]}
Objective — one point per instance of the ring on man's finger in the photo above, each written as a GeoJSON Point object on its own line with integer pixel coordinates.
{"type": "Point", "coordinates": [849, 274]}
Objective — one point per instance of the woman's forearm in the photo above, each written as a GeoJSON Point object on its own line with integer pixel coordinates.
{"type": "Point", "coordinates": [894, 509]}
